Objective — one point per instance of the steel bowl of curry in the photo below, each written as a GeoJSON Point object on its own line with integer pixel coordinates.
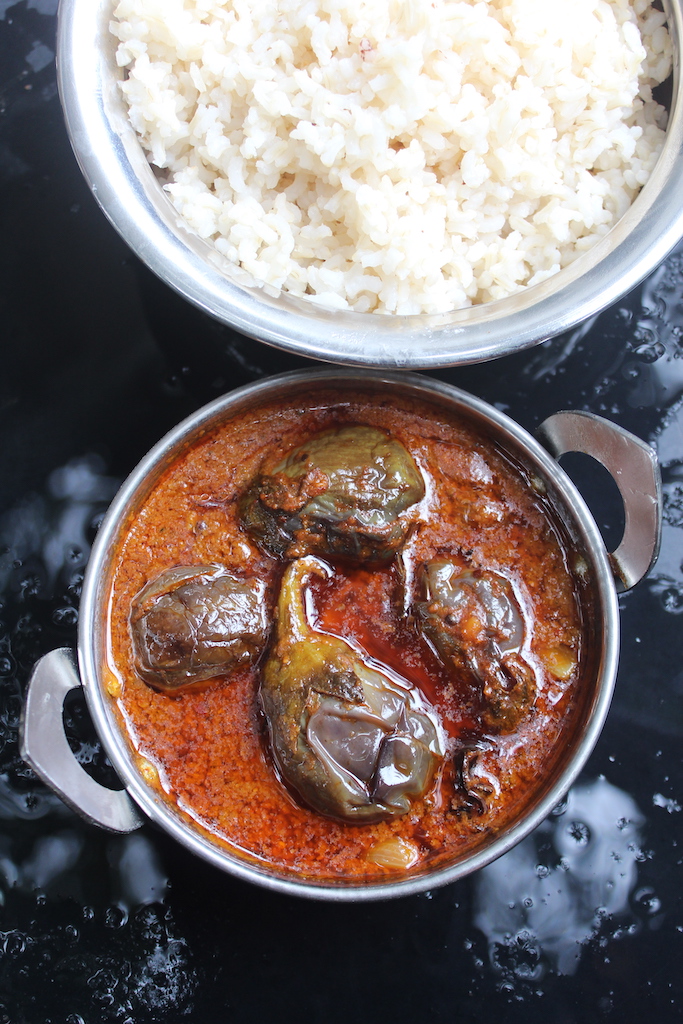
{"type": "Point", "coordinates": [348, 635]}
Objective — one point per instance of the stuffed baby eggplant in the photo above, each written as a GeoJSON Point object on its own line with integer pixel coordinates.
{"type": "Point", "coordinates": [193, 623]}
{"type": "Point", "coordinates": [350, 740]}
{"type": "Point", "coordinates": [475, 622]}
{"type": "Point", "coordinates": [341, 494]}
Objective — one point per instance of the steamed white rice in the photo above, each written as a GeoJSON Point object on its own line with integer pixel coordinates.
{"type": "Point", "coordinates": [397, 156]}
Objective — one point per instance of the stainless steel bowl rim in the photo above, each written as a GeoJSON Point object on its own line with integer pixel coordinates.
{"type": "Point", "coordinates": [93, 614]}
{"type": "Point", "coordinates": [117, 170]}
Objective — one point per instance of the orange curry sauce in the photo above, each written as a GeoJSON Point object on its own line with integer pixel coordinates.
{"type": "Point", "coordinates": [207, 749]}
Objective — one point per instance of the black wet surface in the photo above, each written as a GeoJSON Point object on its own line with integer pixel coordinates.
{"type": "Point", "coordinates": [583, 922]}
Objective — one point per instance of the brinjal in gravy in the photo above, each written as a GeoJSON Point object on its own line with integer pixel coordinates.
{"type": "Point", "coordinates": [383, 620]}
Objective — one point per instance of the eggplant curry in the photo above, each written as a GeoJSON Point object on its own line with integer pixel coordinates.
{"type": "Point", "coordinates": [346, 635]}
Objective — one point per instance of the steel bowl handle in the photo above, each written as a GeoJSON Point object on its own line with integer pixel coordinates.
{"type": "Point", "coordinates": [635, 470]}
{"type": "Point", "coordinates": [45, 748]}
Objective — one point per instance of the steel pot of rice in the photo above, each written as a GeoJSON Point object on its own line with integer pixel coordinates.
{"type": "Point", "coordinates": [408, 184]}
{"type": "Point", "coordinates": [348, 634]}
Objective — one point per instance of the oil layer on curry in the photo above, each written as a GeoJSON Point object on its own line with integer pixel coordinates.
{"type": "Point", "coordinates": [345, 636]}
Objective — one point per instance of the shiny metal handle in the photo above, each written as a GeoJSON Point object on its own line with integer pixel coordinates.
{"type": "Point", "coordinates": [45, 747]}
{"type": "Point", "coordinates": [634, 467]}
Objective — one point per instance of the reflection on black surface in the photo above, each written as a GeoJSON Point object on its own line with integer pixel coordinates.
{"type": "Point", "coordinates": [45, 537]}
{"type": "Point", "coordinates": [539, 904]}
{"type": "Point", "coordinates": [45, 540]}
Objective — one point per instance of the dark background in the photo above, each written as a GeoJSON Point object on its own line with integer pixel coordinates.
{"type": "Point", "coordinates": [583, 922]}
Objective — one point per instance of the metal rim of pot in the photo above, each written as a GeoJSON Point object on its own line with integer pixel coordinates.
{"type": "Point", "coordinates": [116, 168]}
{"type": "Point", "coordinates": [632, 464]}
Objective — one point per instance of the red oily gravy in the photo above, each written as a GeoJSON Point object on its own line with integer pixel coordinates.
{"type": "Point", "coordinates": [207, 750]}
